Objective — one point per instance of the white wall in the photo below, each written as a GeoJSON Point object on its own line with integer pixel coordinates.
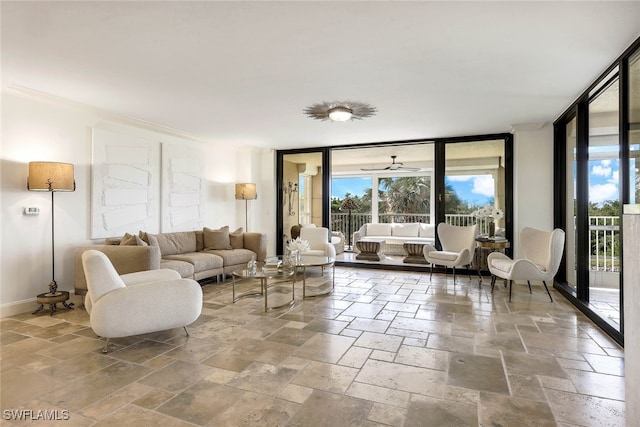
{"type": "Point", "coordinates": [533, 179]}
{"type": "Point", "coordinates": [53, 130]}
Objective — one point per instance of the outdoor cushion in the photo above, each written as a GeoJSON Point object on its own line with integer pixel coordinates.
{"type": "Point", "coordinates": [405, 230]}
{"type": "Point", "coordinates": [427, 230]}
{"type": "Point", "coordinates": [378, 229]}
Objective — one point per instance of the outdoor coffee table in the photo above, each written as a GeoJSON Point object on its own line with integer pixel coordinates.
{"type": "Point", "coordinates": [308, 261]}
{"type": "Point", "coordinates": [278, 276]}
{"type": "Point", "coordinates": [415, 253]}
{"type": "Point", "coordinates": [369, 249]}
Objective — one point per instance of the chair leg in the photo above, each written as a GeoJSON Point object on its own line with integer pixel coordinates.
{"type": "Point", "coordinates": [510, 284]}
{"type": "Point", "coordinates": [493, 282]}
{"type": "Point", "coordinates": [454, 274]}
{"type": "Point", "coordinates": [431, 272]}
{"type": "Point", "coordinates": [529, 283]}
{"type": "Point", "coordinates": [186, 331]}
{"type": "Point", "coordinates": [549, 293]}
{"type": "Point", "coordinates": [106, 347]}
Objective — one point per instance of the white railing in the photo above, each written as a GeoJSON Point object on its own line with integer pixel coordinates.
{"type": "Point", "coordinates": [604, 241]}
{"type": "Point", "coordinates": [604, 232]}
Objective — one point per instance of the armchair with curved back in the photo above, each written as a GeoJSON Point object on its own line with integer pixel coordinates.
{"type": "Point", "coordinates": [458, 247]}
{"type": "Point", "coordinates": [319, 239]}
{"type": "Point", "coordinates": [137, 303]}
{"type": "Point", "coordinates": [542, 252]}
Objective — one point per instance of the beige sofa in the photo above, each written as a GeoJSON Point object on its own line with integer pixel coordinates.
{"type": "Point", "coordinates": [196, 255]}
{"type": "Point", "coordinates": [395, 235]}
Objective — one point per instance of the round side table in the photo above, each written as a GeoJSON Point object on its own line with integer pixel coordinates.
{"type": "Point", "coordinates": [52, 301]}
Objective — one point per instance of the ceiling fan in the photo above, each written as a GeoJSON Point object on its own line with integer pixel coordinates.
{"type": "Point", "coordinates": [393, 167]}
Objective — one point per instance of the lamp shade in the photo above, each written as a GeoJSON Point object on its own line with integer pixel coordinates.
{"type": "Point", "coordinates": [246, 191]}
{"type": "Point", "coordinates": [50, 176]}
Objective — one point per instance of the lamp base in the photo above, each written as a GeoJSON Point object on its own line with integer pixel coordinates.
{"type": "Point", "coordinates": [53, 290]}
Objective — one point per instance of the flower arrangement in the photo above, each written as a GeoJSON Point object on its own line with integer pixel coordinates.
{"type": "Point", "coordinates": [489, 212]}
{"type": "Point", "coordinates": [299, 245]}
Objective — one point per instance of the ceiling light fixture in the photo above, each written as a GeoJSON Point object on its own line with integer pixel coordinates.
{"type": "Point", "coordinates": [340, 111]}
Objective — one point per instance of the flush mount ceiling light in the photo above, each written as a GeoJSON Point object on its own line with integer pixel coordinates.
{"type": "Point", "coordinates": [340, 111]}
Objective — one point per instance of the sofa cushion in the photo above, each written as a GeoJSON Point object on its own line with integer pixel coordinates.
{"type": "Point", "coordinates": [378, 229]}
{"type": "Point", "coordinates": [140, 242]}
{"type": "Point", "coordinates": [199, 240]}
{"type": "Point", "coordinates": [427, 230]}
{"type": "Point", "coordinates": [232, 257]}
{"type": "Point", "coordinates": [185, 269]}
{"type": "Point", "coordinates": [217, 239]}
{"type": "Point", "coordinates": [405, 230]}
{"type": "Point", "coordinates": [175, 243]}
{"type": "Point", "coordinates": [236, 239]}
{"type": "Point", "coordinates": [201, 261]}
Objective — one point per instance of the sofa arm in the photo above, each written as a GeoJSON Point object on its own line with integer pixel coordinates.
{"type": "Point", "coordinates": [125, 259]}
{"type": "Point", "coordinates": [256, 242]}
{"type": "Point", "coordinates": [358, 235]}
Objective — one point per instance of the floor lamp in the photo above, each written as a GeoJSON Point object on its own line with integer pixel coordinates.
{"type": "Point", "coordinates": [349, 204]}
{"type": "Point", "coordinates": [246, 191]}
{"type": "Point", "coordinates": [51, 177]}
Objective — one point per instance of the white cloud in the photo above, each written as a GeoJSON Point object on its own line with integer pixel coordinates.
{"type": "Point", "coordinates": [460, 178]}
{"type": "Point", "coordinates": [484, 186]}
{"type": "Point", "coordinates": [602, 192]}
{"type": "Point", "coordinates": [601, 169]}
{"type": "Point", "coordinates": [614, 177]}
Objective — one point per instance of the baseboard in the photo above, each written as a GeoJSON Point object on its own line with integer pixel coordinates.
{"type": "Point", "coordinates": [30, 305]}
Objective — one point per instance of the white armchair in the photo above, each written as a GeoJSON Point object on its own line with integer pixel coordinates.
{"type": "Point", "coordinates": [319, 241]}
{"type": "Point", "coordinates": [458, 247]}
{"type": "Point", "coordinates": [542, 252]}
{"type": "Point", "coordinates": [137, 303]}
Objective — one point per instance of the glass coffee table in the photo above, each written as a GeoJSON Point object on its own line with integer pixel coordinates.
{"type": "Point", "coordinates": [277, 276]}
{"type": "Point", "coordinates": [309, 261]}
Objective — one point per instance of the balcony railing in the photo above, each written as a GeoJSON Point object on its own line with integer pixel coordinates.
{"type": "Point", "coordinates": [604, 232]}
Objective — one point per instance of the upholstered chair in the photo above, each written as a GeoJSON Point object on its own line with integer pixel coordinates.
{"type": "Point", "coordinates": [137, 303]}
{"type": "Point", "coordinates": [458, 247]}
{"type": "Point", "coordinates": [542, 252]}
{"type": "Point", "coordinates": [319, 240]}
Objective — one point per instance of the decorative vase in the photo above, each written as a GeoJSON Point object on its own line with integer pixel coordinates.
{"type": "Point", "coordinates": [492, 229]}
{"type": "Point", "coordinates": [252, 266]}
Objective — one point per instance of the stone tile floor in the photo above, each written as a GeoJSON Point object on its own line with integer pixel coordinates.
{"type": "Point", "coordinates": [387, 348]}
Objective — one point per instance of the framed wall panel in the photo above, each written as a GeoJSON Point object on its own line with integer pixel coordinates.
{"type": "Point", "coordinates": [125, 184]}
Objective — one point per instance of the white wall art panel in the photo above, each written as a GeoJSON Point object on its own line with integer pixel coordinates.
{"type": "Point", "coordinates": [183, 184]}
{"type": "Point", "coordinates": [125, 184]}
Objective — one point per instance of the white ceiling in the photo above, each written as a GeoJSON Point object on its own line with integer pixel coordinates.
{"type": "Point", "coordinates": [242, 72]}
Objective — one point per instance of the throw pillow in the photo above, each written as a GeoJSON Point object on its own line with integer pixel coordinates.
{"type": "Point", "coordinates": [217, 239]}
{"type": "Point", "coordinates": [236, 239]}
{"type": "Point", "coordinates": [128, 240]}
{"type": "Point", "coordinates": [140, 242]}
{"type": "Point", "coordinates": [143, 236]}
{"type": "Point", "coordinates": [153, 240]}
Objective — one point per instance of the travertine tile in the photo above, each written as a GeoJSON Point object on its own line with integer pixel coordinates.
{"type": "Point", "coordinates": [385, 348]}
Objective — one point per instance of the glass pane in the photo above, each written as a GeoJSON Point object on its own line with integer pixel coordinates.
{"type": "Point", "coordinates": [302, 182]}
{"type": "Point", "coordinates": [634, 128]}
{"type": "Point", "coordinates": [475, 185]}
{"type": "Point", "coordinates": [604, 205]}
{"type": "Point", "coordinates": [386, 184]}
{"type": "Point", "coordinates": [570, 241]}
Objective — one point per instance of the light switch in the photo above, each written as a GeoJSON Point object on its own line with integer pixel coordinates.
{"type": "Point", "coordinates": [31, 211]}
